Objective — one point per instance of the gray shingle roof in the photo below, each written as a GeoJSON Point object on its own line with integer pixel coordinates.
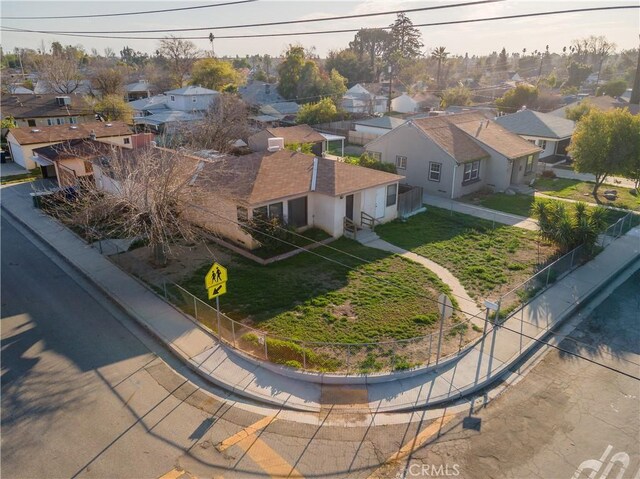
{"type": "Point", "coordinates": [534, 123]}
{"type": "Point", "coordinates": [388, 122]}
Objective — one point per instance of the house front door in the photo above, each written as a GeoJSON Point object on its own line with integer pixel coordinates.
{"type": "Point", "coordinates": [380, 202]}
{"type": "Point", "coordinates": [349, 209]}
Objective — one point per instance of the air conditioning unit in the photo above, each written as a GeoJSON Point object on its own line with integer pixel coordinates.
{"type": "Point", "coordinates": [275, 144]}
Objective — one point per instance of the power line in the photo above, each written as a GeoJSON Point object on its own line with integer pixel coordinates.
{"type": "Point", "coordinates": [287, 22]}
{"type": "Point", "coordinates": [566, 351]}
{"type": "Point", "coordinates": [322, 32]}
{"type": "Point", "coordinates": [146, 12]}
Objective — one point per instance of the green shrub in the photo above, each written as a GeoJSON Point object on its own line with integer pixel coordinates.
{"type": "Point", "coordinates": [426, 319]}
{"type": "Point", "coordinates": [369, 364]}
{"type": "Point", "coordinates": [294, 364]}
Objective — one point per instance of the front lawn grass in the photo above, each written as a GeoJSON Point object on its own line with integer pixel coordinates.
{"type": "Point", "coordinates": [310, 298]}
{"type": "Point", "coordinates": [306, 238]}
{"type": "Point", "coordinates": [488, 261]}
{"type": "Point", "coordinates": [581, 191]}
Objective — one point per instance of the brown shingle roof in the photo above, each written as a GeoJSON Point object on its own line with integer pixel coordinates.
{"type": "Point", "coordinates": [454, 134]}
{"type": "Point", "coordinates": [29, 135]}
{"type": "Point", "coordinates": [42, 106]}
{"type": "Point", "coordinates": [296, 134]}
{"type": "Point", "coordinates": [263, 177]}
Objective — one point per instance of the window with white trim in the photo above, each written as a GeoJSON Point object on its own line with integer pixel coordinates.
{"type": "Point", "coordinates": [401, 162]}
{"type": "Point", "coordinates": [392, 191]}
{"type": "Point", "coordinates": [471, 172]}
{"type": "Point", "coordinates": [376, 155]}
{"type": "Point", "coordinates": [542, 144]}
{"type": "Point", "coordinates": [434, 171]}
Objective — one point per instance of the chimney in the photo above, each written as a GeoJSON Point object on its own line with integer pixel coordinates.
{"type": "Point", "coordinates": [92, 135]}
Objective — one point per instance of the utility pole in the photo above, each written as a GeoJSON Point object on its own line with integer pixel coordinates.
{"type": "Point", "coordinates": [390, 84]}
{"type": "Point", "coordinates": [211, 39]}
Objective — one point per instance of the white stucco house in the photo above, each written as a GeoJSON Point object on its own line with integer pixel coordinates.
{"type": "Point", "coordinates": [301, 190]}
{"type": "Point", "coordinates": [455, 155]}
{"type": "Point", "coordinates": [550, 132]}
{"type": "Point", "coordinates": [358, 99]}
{"type": "Point", "coordinates": [404, 104]}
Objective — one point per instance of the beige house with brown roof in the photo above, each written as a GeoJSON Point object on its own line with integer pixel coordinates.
{"type": "Point", "coordinates": [22, 141]}
{"type": "Point", "coordinates": [292, 135]}
{"type": "Point", "coordinates": [454, 155]}
{"type": "Point", "coordinates": [301, 190]}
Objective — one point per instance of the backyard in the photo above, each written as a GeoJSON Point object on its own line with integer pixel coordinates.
{"type": "Point", "coordinates": [488, 259]}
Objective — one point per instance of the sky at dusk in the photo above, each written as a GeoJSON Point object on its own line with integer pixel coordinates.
{"type": "Point", "coordinates": [621, 27]}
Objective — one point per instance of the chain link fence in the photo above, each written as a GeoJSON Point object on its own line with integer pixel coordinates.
{"type": "Point", "coordinates": [341, 358]}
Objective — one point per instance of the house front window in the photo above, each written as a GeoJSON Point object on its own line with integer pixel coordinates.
{"type": "Point", "coordinates": [73, 120]}
{"type": "Point", "coordinates": [471, 172]}
{"type": "Point", "coordinates": [434, 171]}
{"type": "Point", "coordinates": [392, 191]}
{"type": "Point", "coordinates": [127, 141]}
{"type": "Point", "coordinates": [274, 210]}
{"type": "Point", "coordinates": [401, 162]}
{"type": "Point", "coordinates": [31, 123]}
{"type": "Point", "coordinates": [173, 98]}
{"type": "Point", "coordinates": [529, 168]}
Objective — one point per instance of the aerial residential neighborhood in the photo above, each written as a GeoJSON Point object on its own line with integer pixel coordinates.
{"type": "Point", "coordinates": [268, 239]}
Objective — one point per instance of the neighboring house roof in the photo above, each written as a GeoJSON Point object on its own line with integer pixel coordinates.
{"type": "Point", "coordinates": [281, 108]}
{"type": "Point", "coordinates": [534, 123]}
{"type": "Point", "coordinates": [140, 86]}
{"type": "Point", "coordinates": [455, 134]}
{"type": "Point", "coordinates": [260, 93]}
{"type": "Point", "coordinates": [191, 90]}
{"type": "Point", "coordinates": [162, 116]}
{"type": "Point", "coordinates": [426, 99]}
{"type": "Point", "coordinates": [79, 148]}
{"type": "Point", "coordinates": [263, 177]}
{"type": "Point", "coordinates": [19, 90]}
{"type": "Point", "coordinates": [296, 134]}
{"type": "Point", "coordinates": [386, 122]}
{"type": "Point", "coordinates": [42, 106]}
{"type": "Point", "coordinates": [604, 103]}
{"type": "Point", "coordinates": [58, 133]}
{"type": "Point", "coordinates": [156, 102]}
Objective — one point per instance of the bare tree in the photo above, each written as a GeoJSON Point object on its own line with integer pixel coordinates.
{"type": "Point", "coordinates": [108, 79]}
{"type": "Point", "coordinates": [144, 193]}
{"type": "Point", "coordinates": [60, 73]}
{"type": "Point", "coordinates": [180, 55]}
{"type": "Point", "coordinates": [225, 121]}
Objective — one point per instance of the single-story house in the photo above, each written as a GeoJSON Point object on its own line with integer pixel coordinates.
{"type": "Point", "coordinates": [454, 155]}
{"type": "Point", "coordinates": [551, 133]}
{"type": "Point", "coordinates": [258, 93]}
{"type": "Point", "coordinates": [359, 99]}
{"type": "Point", "coordinates": [377, 126]}
{"type": "Point", "coordinates": [46, 110]}
{"type": "Point", "coordinates": [405, 104]}
{"type": "Point", "coordinates": [301, 190]}
{"type": "Point", "coordinates": [22, 141]}
{"type": "Point", "coordinates": [292, 135]}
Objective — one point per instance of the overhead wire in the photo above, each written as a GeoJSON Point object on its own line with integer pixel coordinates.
{"type": "Point", "coordinates": [114, 35]}
{"type": "Point", "coordinates": [122, 14]}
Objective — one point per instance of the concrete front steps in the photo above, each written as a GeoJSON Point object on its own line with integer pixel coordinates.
{"type": "Point", "coordinates": [365, 236]}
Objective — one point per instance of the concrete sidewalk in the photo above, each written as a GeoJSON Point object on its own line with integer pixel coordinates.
{"type": "Point", "coordinates": [480, 212]}
{"type": "Point", "coordinates": [480, 366]}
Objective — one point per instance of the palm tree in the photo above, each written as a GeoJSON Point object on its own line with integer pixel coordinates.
{"type": "Point", "coordinates": [440, 54]}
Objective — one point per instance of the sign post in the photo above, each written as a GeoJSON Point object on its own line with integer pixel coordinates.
{"type": "Point", "coordinates": [216, 283]}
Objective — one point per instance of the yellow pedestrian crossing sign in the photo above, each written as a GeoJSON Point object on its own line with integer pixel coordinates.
{"type": "Point", "coordinates": [216, 280]}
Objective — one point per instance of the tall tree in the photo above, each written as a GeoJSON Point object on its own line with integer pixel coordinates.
{"type": "Point", "coordinates": [214, 74]}
{"type": "Point", "coordinates": [347, 63]}
{"type": "Point", "coordinates": [372, 44]}
{"type": "Point", "coordinates": [323, 111]}
{"type": "Point", "coordinates": [108, 79]}
{"type": "Point", "coordinates": [522, 95]}
{"type": "Point", "coordinates": [113, 107]}
{"type": "Point", "coordinates": [604, 143]}
{"type": "Point", "coordinates": [501, 64]}
{"type": "Point", "coordinates": [180, 54]}
{"type": "Point", "coordinates": [405, 38]}
{"type": "Point", "coordinates": [60, 73]}
{"type": "Point", "coordinates": [439, 54]}
{"type": "Point", "coordinates": [459, 96]}
{"type": "Point", "coordinates": [290, 70]}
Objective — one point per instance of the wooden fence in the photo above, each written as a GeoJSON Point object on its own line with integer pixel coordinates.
{"type": "Point", "coordinates": [409, 200]}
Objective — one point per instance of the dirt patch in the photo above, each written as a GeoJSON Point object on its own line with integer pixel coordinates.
{"type": "Point", "coordinates": [184, 259]}
{"type": "Point", "coordinates": [345, 310]}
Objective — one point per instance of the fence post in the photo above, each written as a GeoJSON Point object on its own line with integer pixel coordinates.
{"type": "Point", "coordinates": [348, 356]}
{"type": "Point", "coordinates": [233, 332]}
{"type": "Point", "coordinates": [573, 253]}
{"type": "Point", "coordinates": [393, 356]}
{"type": "Point", "coordinates": [218, 316]}
{"type": "Point", "coordinates": [195, 308]}
{"type": "Point", "coordinates": [164, 287]}
{"type": "Point", "coordinates": [548, 273]}
{"type": "Point", "coordinates": [304, 356]}
{"type": "Point", "coordinates": [430, 343]}
{"type": "Point", "coordinates": [266, 351]}
{"type": "Point", "coordinates": [461, 335]}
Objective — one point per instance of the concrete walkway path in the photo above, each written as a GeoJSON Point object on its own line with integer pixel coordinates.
{"type": "Point", "coordinates": [482, 364]}
{"type": "Point", "coordinates": [480, 212]}
{"type": "Point", "coordinates": [465, 302]}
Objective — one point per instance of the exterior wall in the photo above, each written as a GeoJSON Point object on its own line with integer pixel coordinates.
{"type": "Point", "coordinates": [190, 102]}
{"type": "Point", "coordinates": [407, 140]}
{"type": "Point", "coordinates": [78, 167]}
{"type": "Point", "coordinates": [228, 230]}
{"type": "Point", "coordinates": [327, 213]}
{"type": "Point", "coordinates": [374, 130]}
{"type": "Point", "coordinates": [549, 150]}
{"type": "Point", "coordinates": [104, 182]}
{"type": "Point", "coordinates": [518, 175]}
{"type": "Point", "coordinates": [67, 120]}
{"type": "Point", "coordinates": [259, 141]}
{"type": "Point", "coordinates": [404, 104]}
